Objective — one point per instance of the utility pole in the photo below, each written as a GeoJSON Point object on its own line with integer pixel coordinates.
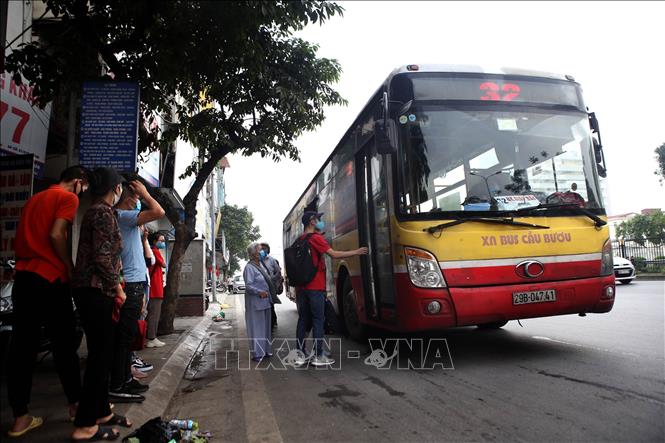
{"type": "Point", "coordinates": [213, 213]}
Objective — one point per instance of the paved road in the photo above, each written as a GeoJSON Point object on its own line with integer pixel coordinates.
{"type": "Point", "coordinates": [597, 378]}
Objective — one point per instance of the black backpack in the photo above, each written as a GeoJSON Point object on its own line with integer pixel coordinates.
{"type": "Point", "coordinates": [298, 262]}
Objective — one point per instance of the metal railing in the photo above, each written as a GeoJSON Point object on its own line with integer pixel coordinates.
{"type": "Point", "coordinates": [646, 256]}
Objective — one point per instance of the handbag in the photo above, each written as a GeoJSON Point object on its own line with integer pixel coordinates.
{"type": "Point", "coordinates": [280, 285]}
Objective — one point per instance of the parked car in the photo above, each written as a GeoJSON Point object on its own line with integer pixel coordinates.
{"type": "Point", "coordinates": [624, 271]}
{"type": "Point", "coordinates": [238, 284]}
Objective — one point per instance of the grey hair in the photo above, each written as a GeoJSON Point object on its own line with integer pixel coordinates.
{"type": "Point", "coordinates": [252, 249]}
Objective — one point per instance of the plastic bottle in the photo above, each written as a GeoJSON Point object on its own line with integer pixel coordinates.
{"type": "Point", "coordinates": [182, 424]}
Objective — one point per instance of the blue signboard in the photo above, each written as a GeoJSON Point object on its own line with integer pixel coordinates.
{"type": "Point", "coordinates": [109, 125]}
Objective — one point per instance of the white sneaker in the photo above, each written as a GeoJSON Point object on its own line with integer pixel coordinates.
{"type": "Point", "coordinates": [322, 360]}
{"type": "Point", "coordinates": [154, 343]}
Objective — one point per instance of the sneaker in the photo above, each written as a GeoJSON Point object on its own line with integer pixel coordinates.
{"type": "Point", "coordinates": [135, 386]}
{"type": "Point", "coordinates": [322, 360]}
{"type": "Point", "coordinates": [302, 359]}
{"type": "Point", "coordinates": [122, 395]}
{"type": "Point", "coordinates": [141, 365]}
{"type": "Point", "coordinates": [154, 343]}
{"type": "Point", "coordinates": [138, 374]}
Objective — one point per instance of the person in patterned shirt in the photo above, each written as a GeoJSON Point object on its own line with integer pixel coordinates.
{"type": "Point", "coordinates": [97, 290]}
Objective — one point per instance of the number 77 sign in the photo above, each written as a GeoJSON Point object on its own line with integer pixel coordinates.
{"type": "Point", "coordinates": [24, 126]}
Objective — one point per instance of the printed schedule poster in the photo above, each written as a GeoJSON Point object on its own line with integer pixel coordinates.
{"type": "Point", "coordinates": [109, 125]}
{"type": "Point", "coordinates": [16, 175]}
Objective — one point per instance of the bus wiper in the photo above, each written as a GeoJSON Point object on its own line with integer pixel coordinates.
{"type": "Point", "coordinates": [499, 221]}
{"type": "Point", "coordinates": [572, 206]}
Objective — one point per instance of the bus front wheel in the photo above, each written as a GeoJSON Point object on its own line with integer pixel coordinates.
{"type": "Point", "coordinates": [357, 331]}
{"type": "Point", "coordinates": [495, 325]}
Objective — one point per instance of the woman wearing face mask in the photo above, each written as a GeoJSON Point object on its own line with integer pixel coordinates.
{"type": "Point", "coordinates": [96, 286]}
{"type": "Point", "coordinates": [258, 300]}
{"type": "Point", "coordinates": [158, 244]}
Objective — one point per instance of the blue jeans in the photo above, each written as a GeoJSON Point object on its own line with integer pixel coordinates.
{"type": "Point", "coordinates": [311, 311]}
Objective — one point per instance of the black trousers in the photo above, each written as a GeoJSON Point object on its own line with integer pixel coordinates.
{"type": "Point", "coordinates": [95, 310]}
{"type": "Point", "coordinates": [125, 331]}
{"type": "Point", "coordinates": [37, 304]}
{"type": "Point", "coordinates": [273, 316]}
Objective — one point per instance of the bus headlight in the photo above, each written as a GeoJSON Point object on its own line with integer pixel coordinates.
{"type": "Point", "coordinates": [424, 270]}
{"type": "Point", "coordinates": [606, 261]}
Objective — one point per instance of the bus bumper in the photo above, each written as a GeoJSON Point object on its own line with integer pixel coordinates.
{"type": "Point", "coordinates": [494, 304]}
{"type": "Point", "coordinates": [474, 306]}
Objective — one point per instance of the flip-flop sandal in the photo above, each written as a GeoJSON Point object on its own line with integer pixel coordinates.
{"type": "Point", "coordinates": [73, 417]}
{"type": "Point", "coordinates": [117, 420]}
{"type": "Point", "coordinates": [35, 423]}
{"type": "Point", "coordinates": [103, 433]}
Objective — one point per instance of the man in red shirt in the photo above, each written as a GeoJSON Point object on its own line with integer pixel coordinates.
{"type": "Point", "coordinates": [41, 294]}
{"type": "Point", "coordinates": [311, 298]}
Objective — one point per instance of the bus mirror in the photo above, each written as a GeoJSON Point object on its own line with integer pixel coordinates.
{"type": "Point", "coordinates": [598, 151]}
{"type": "Point", "coordinates": [385, 132]}
{"type": "Point", "coordinates": [600, 158]}
{"type": "Point", "coordinates": [593, 122]}
{"type": "Point", "coordinates": [602, 172]}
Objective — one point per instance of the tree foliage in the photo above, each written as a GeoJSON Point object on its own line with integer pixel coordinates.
{"type": "Point", "coordinates": [644, 227]}
{"type": "Point", "coordinates": [660, 158]}
{"type": "Point", "coordinates": [229, 75]}
{"type": "Point", "coordinates": [240, 231]}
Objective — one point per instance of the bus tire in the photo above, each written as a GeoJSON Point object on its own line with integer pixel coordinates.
{"type": "Point", "coordinates": [357, 331]}
{"type": "Point", "coordinates": [495, 325]}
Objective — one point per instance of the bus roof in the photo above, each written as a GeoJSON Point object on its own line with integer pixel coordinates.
{"type": "Point", "coordinates": [477, 69]}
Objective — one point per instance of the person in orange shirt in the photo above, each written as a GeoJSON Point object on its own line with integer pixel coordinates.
{"type": "Point", "coordinates": [42, 296]}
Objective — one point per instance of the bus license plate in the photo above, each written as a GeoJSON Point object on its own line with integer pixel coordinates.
{"type": "Point", "coordinates": [523, 298]}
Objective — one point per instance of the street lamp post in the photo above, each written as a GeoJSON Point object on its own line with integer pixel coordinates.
{"type": "Point", "coordinates": [213, 211]}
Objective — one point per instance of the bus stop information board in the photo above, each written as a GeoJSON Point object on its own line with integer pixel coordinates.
{"type": "Point", "coordinates": [109, 125]}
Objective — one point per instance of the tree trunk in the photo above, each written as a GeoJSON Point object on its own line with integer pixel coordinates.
{"type": "Point", "coordinates": [180, 245]}
{"type": "Point", "coordinates": [185, 232]}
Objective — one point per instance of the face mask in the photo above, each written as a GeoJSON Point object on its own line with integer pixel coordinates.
{"type": "Point", "coordinates": [262, 254]}
{"type": "Point", "coordinates": [161, 245]}
{"type": "Point", "coordinates": [138, 205]}
{"type": "Point", "coordinates": [320, 225]}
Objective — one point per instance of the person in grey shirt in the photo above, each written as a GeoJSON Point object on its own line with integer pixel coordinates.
{"type": "Point", "coordinates": [271, 265]}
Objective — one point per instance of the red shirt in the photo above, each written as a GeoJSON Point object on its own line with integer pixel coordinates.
{"type": "Point", "coordinates": [33, 248]}
{"type": "Point", "coordinates": [157, 275]}
{"type": "Point", "coordinates": [318, 246]}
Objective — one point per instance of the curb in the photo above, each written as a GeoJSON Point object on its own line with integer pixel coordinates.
{"type": "Point", "coordinates": [165, 383]}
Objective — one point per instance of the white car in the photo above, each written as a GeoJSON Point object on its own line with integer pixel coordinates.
{"type": "Point", "coordinates": [624, 271]}
{"type": "Point", "coordinates": [238, 284]}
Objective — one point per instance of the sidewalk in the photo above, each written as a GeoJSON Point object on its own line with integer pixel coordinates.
{"type": "Point", "coordinates": [211, 393]}
{"type": "Point", "coordinates": [170, 362]}
{"type": "Point", "coordinates": [649, 276]}
{"type": "Point", "coordinates": [219, 391]}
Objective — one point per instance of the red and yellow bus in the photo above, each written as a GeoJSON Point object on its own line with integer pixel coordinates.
{"type": "Point", "coordinates": [477, 193]}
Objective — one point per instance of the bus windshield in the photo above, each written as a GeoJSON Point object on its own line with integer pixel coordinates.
{"type": "Point", "coordinates": [499, 159]}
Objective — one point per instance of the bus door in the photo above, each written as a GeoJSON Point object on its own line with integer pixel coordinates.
{"type": "Point", "coordinates": [374, 230]}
